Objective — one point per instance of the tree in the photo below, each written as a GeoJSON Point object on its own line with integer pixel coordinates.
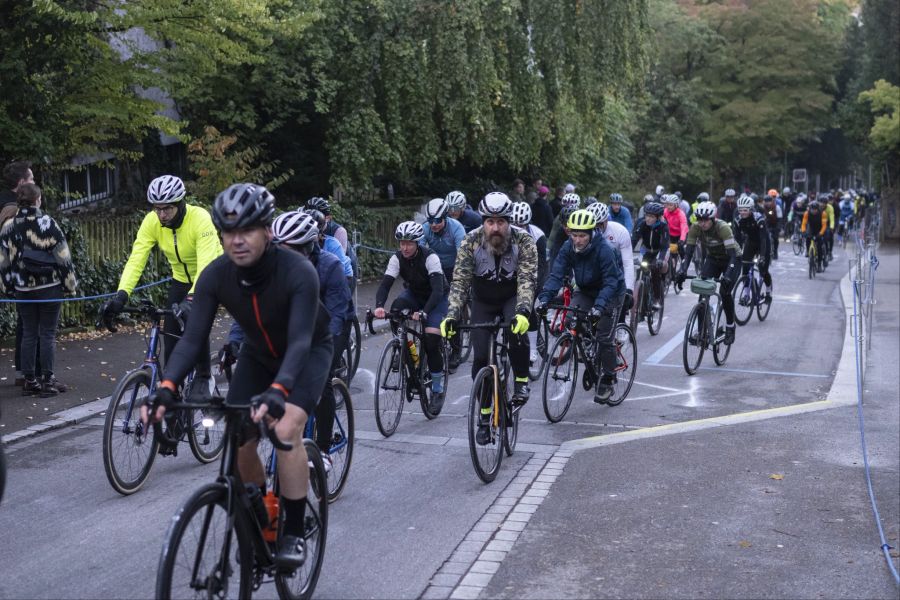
{"type": "Point", "coordinates": [885, 133]}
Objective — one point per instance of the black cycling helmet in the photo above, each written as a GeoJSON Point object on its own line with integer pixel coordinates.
{"type": "Point", "coordinates": [653, 208]}
{"type": "Point", "coordinates": [319, 204]}
{"type": "Point", "coordinates": [317, 215]}
{"type": "Point", "coordinates": [243, 205]}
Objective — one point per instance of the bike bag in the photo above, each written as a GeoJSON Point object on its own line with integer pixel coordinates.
{"type": "Point", "coordinates": [704, 287]}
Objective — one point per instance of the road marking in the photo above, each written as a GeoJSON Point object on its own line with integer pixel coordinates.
{"type": "Point", "coordinates": [652, 396]}
{"type": "Point", "coordinates": [662, 351]}
{"type": "Point", "coordinates": [751, 371]}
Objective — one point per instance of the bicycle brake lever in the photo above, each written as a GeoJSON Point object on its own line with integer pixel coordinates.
{"type": "Point", "coordinates": [269, 432]}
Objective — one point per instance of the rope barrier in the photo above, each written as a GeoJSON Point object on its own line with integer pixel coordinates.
{"type": "Point", "coordinates": [81, 298]}
{"type": "Point", "coordinates": [373, 249]}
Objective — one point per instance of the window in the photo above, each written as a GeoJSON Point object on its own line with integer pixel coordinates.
{"type": "Point", "coordinates": [89, 184]}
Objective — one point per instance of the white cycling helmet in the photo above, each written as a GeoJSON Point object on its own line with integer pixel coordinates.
{"type": "Point", "coordinates": [786, 190]}
{"type": "Point", "coordinates": [436, 209]}
{"type": "Point", "coordinates": [456, 200]}
{"type": "Point", "coordinates": [167, 189]}
{"type": "Point", "coordinates": [521, 214]}
{"type": "Point", "coordinates": [600, 212]}
{"type": "Point", "coordinates": [729, 193]}
{"type": "Point", "coordinates": [660, 190]}
{"type": "Point", "coordinates": [745, 201]}
{"type": "Point", "coordinates": [703, 197]}
{"type": "Point", "coordinates": [294, 228]}
{"type": "Point", "coordinates": [671, 199]}
{"type": "Point", "coordinates": [570, 203]}
{"type": "Point", "coordinates": [705, 210]}
{"type": "Point", "coordinates": [615, 198]}
{"type": "Point", "coordinates": [409, 231]}
{"type": "Point", "coordinates": [496, 205]}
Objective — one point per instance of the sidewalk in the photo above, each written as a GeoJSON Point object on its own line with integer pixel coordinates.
{"type": "Point", "coordinates": [90, 363]}
{"type": "Point", "coordinates": [767, 509]}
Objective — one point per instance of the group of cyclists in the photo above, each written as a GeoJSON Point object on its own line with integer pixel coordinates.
{"type": "Point", "coordinates": [287, 282]}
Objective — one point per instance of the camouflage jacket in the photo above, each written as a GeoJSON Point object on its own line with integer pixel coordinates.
{"type": "Point", "coordinates": [491, 279]}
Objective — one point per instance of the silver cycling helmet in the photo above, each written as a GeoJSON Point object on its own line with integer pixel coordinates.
{"type": "Point", "coordinates": [521, 214]}
{"type": "Point", "coordinates": [496, 205]}
{"type": "Point", "coordinates": [409, 231]}
{"type": "Point", "coordinates": [436, 209]}
{"type": "Point", "coordinates": [705, 210]}
{"type": "Point", "coordinates": [294, 228]}
{"type": "Point", "coordinates": [166, 189]}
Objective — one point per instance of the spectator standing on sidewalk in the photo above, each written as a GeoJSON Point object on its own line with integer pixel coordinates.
{"type": "Point", "coordinates": [542, 214]}
{"type": "Point", "coordinates": [14, 175]}
{"type": "Point", "coordinates": [35, 264]}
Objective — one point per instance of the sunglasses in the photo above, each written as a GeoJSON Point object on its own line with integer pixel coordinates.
{"type": "Point", "coordinates": [435, 221]}
{"type": "Point", "coordinates": [164, 208]}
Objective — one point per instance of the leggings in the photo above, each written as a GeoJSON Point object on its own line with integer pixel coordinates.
{"type": "Point", "coordinates": [178, 291]}
{"type": "Point", "coordinates": [519, 345]}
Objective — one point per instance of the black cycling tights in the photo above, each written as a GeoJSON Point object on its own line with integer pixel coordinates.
{"type": "Point", "coordinates": [326, 407]}
{"type": "Point", "coordinates": [177, 292]}
{"type": "Point", "coordinates": [481, 338]}
{"type": "Point", "coordinates": [713, 269]}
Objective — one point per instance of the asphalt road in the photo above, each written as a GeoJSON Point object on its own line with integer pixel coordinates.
{"type": "Point", "coordinates": [630, 520]}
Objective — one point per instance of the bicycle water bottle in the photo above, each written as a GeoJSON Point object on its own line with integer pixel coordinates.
{"type": "Point", "coordinates": [413, 351]}
{"type": "Point", "coordinates": [257, 504]}
{"type": "Point", "coordinates": [270, 533]}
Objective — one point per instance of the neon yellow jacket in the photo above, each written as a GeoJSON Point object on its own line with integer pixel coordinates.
{"type": "Point", "coordinates": [829, 210]}
{"type": "Point", "coordinates": [189, 248]}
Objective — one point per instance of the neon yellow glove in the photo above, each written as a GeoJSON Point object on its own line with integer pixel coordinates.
{"type": "Point", "coordinates": [448, 327]}
{"type": "Point", "coordinates": [519, 324]}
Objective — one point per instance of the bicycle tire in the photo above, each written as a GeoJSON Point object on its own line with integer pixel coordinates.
{"type": "Point", "coordinates": [212, 526]}
{"type": "Point", "coordinates": [2, 472]}
{"type": "Point", "coordinates": [425, 398]}
{"type": "Point", "coordinates": [626, 365]}
{"type": "Point", "coordinates": [143, 445]}
{"type": "Point", "coordinates": [562, 365]}
{"type": "Point", "coordinates": [342, 439]}
{"type": "Point", "coordinates": [301, 584]}
{"type": "Point", "coordinates": [655, 318]}
{"type": "Point", "coordinates": [206, 442]}
{"type": "Point", "coordinates": [388, 408]}
{"type": "Point", "coordinates": [486, 459]}
{"type": "Point", "coordinates": [354, 349]}
{"type": "Point", "coordinates": [720, 350]}
{"type": "Point", "coordinates": [465, 337]}
{"type": "Point", "coordinates": [743, 312]}
{"type": "Point", "coordinates": [511, 431]}
{"type": "Point", "coordinates": [763, 308]}
{"type": "Point", "coordinates": [638, 304]}
{"type": "Point", "coordinates": [536, 367]}
{"type": "Point", "coordinates": [693, 328]}
{"type": "Point", "coordinates": [797, 245]}
{"type": "Point", "coordinates": [812, 266]}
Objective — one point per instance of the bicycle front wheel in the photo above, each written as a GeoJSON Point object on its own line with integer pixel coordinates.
{"type": "Point", "coordinates": [129, 448]}
{"type": "Point", "coordinates": [203, 552]}
{"type": "Point", "coordinates": [694, 344]}
{"type": "Point", "coordinates": [511, 431]}
{"type": "Point", "coordinates": [206, 441]}
{"type": "Point", "coordinates": [342, 437]}
{"type": "Point", "coordinates": [720, 349]}
{"type": "Point", "coordinates": [744, 297]}
{"type": "Point", "coordinates": [354, 348]}
{"type": "Point", "coordinates": [763, 308]}
{"type": "Point", "coordinates": [626, 364]}
{"type": "Point", "coordinates": [301, 583]}
{"type": "Point", "coordinates": [637, 305]}
{"type": "Point", "coordinates": [389, 384]}
{"type": "Point", "coordinates": [797, 245]}
{"type": "Point", "coordinates": [560, 377]}
{"type": "Point", "coordinates": [538, 356]}
{"type": "Point", "coordinates": [486, 457]}
{"type": "Point", "coordinates": [655, 317]}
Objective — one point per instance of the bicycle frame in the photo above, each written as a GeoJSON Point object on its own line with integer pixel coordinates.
{"type": "Point", "coordinates": [497, 353]}
{"type": "Point", "coordinates": [557, 323]}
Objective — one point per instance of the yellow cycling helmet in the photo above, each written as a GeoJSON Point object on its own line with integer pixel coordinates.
{"type": "Point", "coordinates": [582, 220]}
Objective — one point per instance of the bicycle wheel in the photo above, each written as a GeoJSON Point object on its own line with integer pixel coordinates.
{"type": "Point", "coordinates": [655, 317]}
{"type": "Point", "coordinates": [812, 264]}
{"type": "Point", "coordinates": [389, 384]}
{"type": "Point", "coordinates": [425, 398]}
{"type": "Point", "coordinates": [486, 457]}
{"type": "Point", "coordinates": [354, 348]}
{"type": "Point", "coordinates": [539, 350]}
{"type": "Point", "coordinates": [637, 305]}
{"type": "Point", "coordinates": [511, 431]}
{"type": "Point", "coordinates": [129, 448]}
{"type": "Point", "coordinates": [206, 442]}
{"type": "Point", "coordinates": [721, 349]}
{"type": "Point", "coordinates": [694, 344]}
{"type": "Point", "coordinates": [626, 364]}
{"type": "Point", "coordinates": [301, 584]}
{"type": "Point", "coordinates": [202, 553]}
{"type": "Point", "coordinates": [560, 378]}
{"type": "Point", "coordinates": [797, 245]}
{"type": "Point", "coordinates": [744, 296]}
{"type": "Point", "coordinates": [465, 343]}
{"type": "Point", "coordinates": [342, 438]}
{"type": "Point", "coordinates": [762, 307]}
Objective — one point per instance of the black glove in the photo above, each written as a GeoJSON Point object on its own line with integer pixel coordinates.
{"type": "Point", "coordinates": [680, 277]}
{"type": "Point", "coordinates": [183, 308]}
{"type": "Point", "coordinates": [111, 308]}
{"type": "Point", "coordinates": [228, 355]}
{"type": "Point", "coordinates": [163, 396]}
{"type": "Point", "coordinates": [596, 312]}
{"type": "Point", "coordinates": [540, 306]}
{"type": "Point", "coordinates": [273, 398]}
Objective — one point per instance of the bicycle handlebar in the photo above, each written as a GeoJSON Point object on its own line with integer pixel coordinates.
{"type": "Point", "coordinates": [218, 405]}
{"type": "Point", "coordinates": [393, 316]}
{"type": "Point", "coordinates": [497, 324]}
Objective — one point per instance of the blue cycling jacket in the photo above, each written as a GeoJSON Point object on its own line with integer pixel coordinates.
{"type": "Point", "coordinates": [623, 218]}
{"type": "Point", "coordinates": [334, 246]}
{"type": "Point", "coordinates": [445, 243]}
{"type": "Point", "coordinates": [598, 272]}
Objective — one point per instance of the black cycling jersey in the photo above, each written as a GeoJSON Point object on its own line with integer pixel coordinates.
{"type": "Point", "coordinates": [422, 275]}
{"type": "Point", "coordinates": [276, 303]}
{"type": "Point", "coordinates": [751, 232]}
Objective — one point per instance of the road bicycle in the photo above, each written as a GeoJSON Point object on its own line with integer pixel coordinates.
{"type": "Point", "coordinates": [643, 309]}
{"type": "Point", "coordinates": [490, 391]}
{"type": "Point", "coordinates": [578, 344]}
{"type": "Point", "coordinates": [217, 544]}
{"type": "Point", "coordinates": [674, 261]}
{"type": "Point", "coordinates": [797, 243]}
{"type": "Point", "coordinates": [702, 331]}
{"type": "Point", "coordinates": [748, 296]}
{"type": "Point", "coordinates": [550, 324]}
{"type": "Point", "coordinates": [353, 350]}
{"type": "Point", "coordinates": [403, 372]}
{"type": "Point", "coordinates": [129, 448]}
{"type": "Point", "coordinates": [816, 263]}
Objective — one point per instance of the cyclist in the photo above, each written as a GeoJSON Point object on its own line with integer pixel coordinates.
{"type": "Point", "coordinates": [498, 263]}
{"type": "Point", "coordinates": [558, 235]}
{"type": "Point", "coordinates": [460, 210]}
{"type": "Point", "coordinates": [751, 233]}
{"type": "Point", "coordinates": [846, 210]}
{"type": "Point", "coordinates": [727, 206]}
{"type": "Point", "coordinates": [717, 240]}
{"type": "Point", "coordinates": [618, 213]}
{"type": "Point", "coordinates": [189, 241]}
{"type": "Point", "coordinates": [299, 232]}
{"type": "Point", "coordinates": [329, 244]}
{"type": "Point", "coordinates": [653, 233]}
{"type": "Point", "coordinates": [798, 209]}
{"type": "Point", "coordinates": [701, 197]}
{"type": "Point", "coordinates": [273, 293]}
{"type": "Point", "coordinates": [542, 214]}
{"type": "Point", "coordinates": [601, 288]}
{"type": "Point", "coordinates": [620, 239]}
{"type": "Point", "coordinates": [659, 194]}
{"type": "Point", "coordinates": [677, 221]}
{"type": "Point", "coordinates": [813, 227]}
{"type": "Point", "coordinates": [828, 210]}
{"type": "Point", "coordinates": [443, 235]}
{"type": "Point", "coordinates": [640, 216]}
{"type": "Point", "coordinates": [772, 213]}
{"type": "Point", "coordinates": [425, 293]}
{"type": "Point", "coordinates": [521, 218]}
{"type": "Point", "coordinates": [336, 231]}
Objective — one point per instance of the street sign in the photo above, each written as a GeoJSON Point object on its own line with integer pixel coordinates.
{"type": "Point", "coordinates": [799, 175]}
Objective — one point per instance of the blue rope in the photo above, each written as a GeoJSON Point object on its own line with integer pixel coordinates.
{"type": "Point", "coordinates": [82, 298]}
{"type": "Point", "coordinates": [885, 548]}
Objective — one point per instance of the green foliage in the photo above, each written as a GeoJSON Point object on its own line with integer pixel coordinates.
{"type": "Point", "coordinates": [885, 101]}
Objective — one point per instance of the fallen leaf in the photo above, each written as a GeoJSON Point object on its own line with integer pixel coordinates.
{"type": "Point", "coordinates": [776, 476]}
{"type": "Point", "coordinates": [744, 544]}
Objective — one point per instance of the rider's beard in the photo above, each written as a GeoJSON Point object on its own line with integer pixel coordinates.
{"type": "Point", "coordinates": [499, 243]}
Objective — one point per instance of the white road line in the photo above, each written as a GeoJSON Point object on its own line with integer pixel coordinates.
{"type": "Point", "coordinates": [752, 371]}
{"type": "Point", "coordinates": [664, 350]}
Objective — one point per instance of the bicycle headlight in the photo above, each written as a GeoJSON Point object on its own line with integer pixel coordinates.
{"type": "Point", "coordinates": [644, 264]}
{"type": "Point", "coordinates": [208, 422]}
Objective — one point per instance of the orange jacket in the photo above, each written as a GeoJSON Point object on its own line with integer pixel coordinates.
{"type": "Point", "coordinates": [822, 219]}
